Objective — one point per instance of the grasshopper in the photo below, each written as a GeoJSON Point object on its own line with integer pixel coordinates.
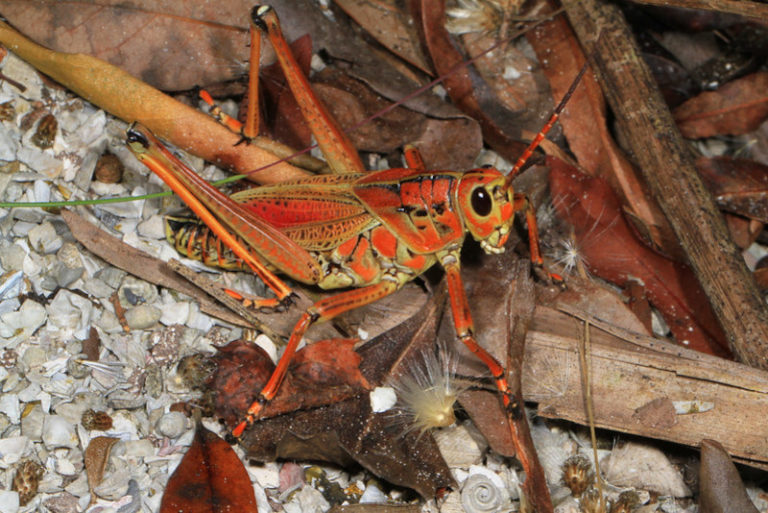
{"type": "Point", "coordinates": [366, 232]}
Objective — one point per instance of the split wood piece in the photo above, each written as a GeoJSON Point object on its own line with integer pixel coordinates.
{"type": "Point", "coordinates": [638, 381]}
{"type": "Point", "coordinates": [668, 168]}
{"type": "Point", "coordinates": [755, 10]}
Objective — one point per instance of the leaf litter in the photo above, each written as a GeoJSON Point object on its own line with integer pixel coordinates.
{"type": "Point", "coordinates": [105, 374]}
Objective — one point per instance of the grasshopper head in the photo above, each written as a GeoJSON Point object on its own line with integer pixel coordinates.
{"type": "Point", "coordinates": [487, 206]}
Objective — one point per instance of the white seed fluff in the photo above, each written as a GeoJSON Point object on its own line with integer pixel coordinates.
{"type": "Point", "coordinates": [427, 391]}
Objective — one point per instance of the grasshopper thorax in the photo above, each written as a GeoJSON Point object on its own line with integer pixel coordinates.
{"type": "Point", "coordinates": [487, 207]}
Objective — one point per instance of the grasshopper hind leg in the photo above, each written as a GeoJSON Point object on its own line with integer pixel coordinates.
{"type": "Point", "coordinates": [194, 240]}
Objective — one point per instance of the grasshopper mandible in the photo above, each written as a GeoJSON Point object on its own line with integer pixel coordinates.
{"type": "Point", "coordinates": [367, 232]}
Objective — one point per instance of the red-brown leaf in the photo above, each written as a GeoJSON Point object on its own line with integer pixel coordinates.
{"type": "Point", "coordinates": [736, 108]}
{"type": "Point", "coordinates": [458, 82]}
{"type": "Point", "coordinates": [586, 128]}
{"type": "Point", "coordinates": [322, 373]}
{"type": "Point", "coordinates": [209, 479]}
{"type": "Point", "coordinates": [611, 251]}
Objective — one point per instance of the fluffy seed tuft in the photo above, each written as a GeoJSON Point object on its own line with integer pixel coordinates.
{"type": "Point", "coordinates": [427, 391]}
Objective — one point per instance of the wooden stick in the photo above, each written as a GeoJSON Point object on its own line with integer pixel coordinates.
{"type": "Point", "coordinates": [668, 168]}
{"type": "Point", "coordinates": [746, 8]}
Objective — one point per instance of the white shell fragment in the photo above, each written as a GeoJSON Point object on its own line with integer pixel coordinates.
{"type": "Point", "coordinates": [458, 446]}
{"type": "Point", "coordinates": [58, 432]}
{"type": "Point", "coordinates": [382, 399]}
{"type": "Point", "coordinates": [644, 467]}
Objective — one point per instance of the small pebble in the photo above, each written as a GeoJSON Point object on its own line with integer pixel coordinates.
{"type": "Point", "coordinates": [9, 502]}
{"type": "Point", "coordinates": [62, 503]}
{"type": "Point", "coordinates": [109, 169]}
{"type": "Point", "coordinates": [12, 257]}
{"type": "Point", "coordinates": [172, 424]}
{"type": "Point", "coordinates": [43, 238]}
{"type": "Point", "coordinates": [142, 316]}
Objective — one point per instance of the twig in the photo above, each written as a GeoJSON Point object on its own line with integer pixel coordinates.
{"type": "Point", "coordinates": [520, 306]}
{"type": "Point", "coordinates": [586, 386]}
{"type": "Point", "coordinates": [756, 10]}
{"type": "Point", "coordinates": [216, 291]}
{"type": "Point", "coordinates": [669, 171]}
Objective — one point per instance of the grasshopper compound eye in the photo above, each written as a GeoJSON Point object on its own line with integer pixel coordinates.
{"type": "Point", "coordinates": [481, 201]}
{"type": "Point", "coordinates": [136, 139]}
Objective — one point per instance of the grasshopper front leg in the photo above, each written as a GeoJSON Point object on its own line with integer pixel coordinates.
{"type": "Point", "coordinates": [229, 220]}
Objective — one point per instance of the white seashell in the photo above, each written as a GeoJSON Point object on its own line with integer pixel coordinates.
{"type": "Point", "coordinates": [152, 228]}
{"type": "Point", "coordinates": [32, 423]}
{"type": "Point", "coordinates": [97, 288]}
{"type": "Point", "coordinates": [79, 487]}
{"type": "Point", "coordinates": [9, 501]}
{"type": "Point", "coordinates": [640, 466]}
{"type": "Point", "coordinates": [71, 312]}
{"type": "Point", "coordinates": [138, 449]}
{"type": "Point", "coordinates": [458, 447]}
{"type": "Point", "coordinates": [452, 503]}
{"type": "Point", "coordinates": [569, 505]}
{"type": "Point", "coordinates": [267, 345]}
{"type": "Point", "coordinates": [173, 424]}
{"type": "Point", "coordinates": [9, 145]}
{"type": "Point", "coordinates": [58, 432]}
{"type": "Point", "coordinates": [480, 493]}
{"type": "Point", "coordinates": [12, 256]}
{"type": "Point", "coordinates": [134, 291]}
{"type": "Point", "coordinates": [10, 284]}
{"type": "Point", "coordinates": [267, 475]}
{"type": "Point", "coordinates": [65, 467]}
{"type": "Point", "coordinates": [62, 503]}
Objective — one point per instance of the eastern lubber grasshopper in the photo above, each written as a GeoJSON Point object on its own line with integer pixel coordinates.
{"type": "Point", "coordinates": [371, 232]}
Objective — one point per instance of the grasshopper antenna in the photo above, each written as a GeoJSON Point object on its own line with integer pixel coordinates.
{"type": "Point", "coordinates": [543, 132]}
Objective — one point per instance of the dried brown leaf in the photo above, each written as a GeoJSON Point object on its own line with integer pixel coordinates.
{"type": "Point", "coordinates": [385, 22]}
{"type": "Point", "coordinates": [210, 479]}
{"type": "Point", "coordinates": [348, 431]}
{"type": "Point", "coordinates": [461, 88]}
{"type": "Point", "coordinates": [96, 458]}
{"type": "Point", "coordinates": [721, 488]}
{"type": "Point", "coordinates": [738, 185]}
{"type": "Point", "coordinates": [170, 45]}
{"type": "Point", "coordinates": [736, 108]}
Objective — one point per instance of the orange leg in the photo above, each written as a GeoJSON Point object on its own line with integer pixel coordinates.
{"type": "Point", "coordinates": [323, 310]}
{"type": "Point", "coordinates": [335, 145]}
{"type": "Point", "coordinates": [413, 158]}
{"type": "Point", "coordinates": [523, 203]}
{"type": "Point", "coordinates": [229, 220]}
{"type": "Point", "coordinates": [462, 320]}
